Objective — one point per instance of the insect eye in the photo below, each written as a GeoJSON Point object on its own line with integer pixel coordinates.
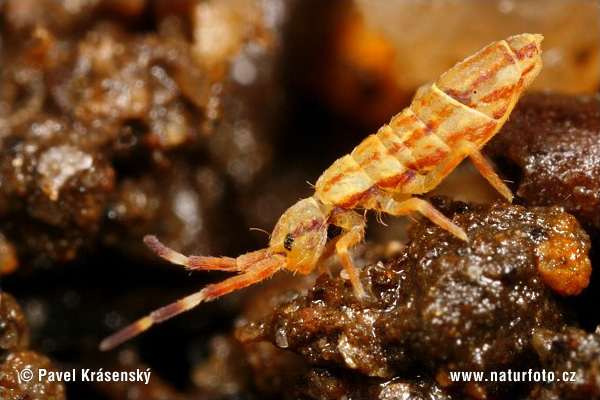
{"type": "Point", "coordinates": [287, 243]}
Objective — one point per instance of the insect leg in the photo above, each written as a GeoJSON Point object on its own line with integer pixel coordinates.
{"type": "Point", "coordinates": [191, 262]}
{"type": "Point", "coordinates": [460, 152]}
{"type": "Point", "coordinates": [327, 253]}
{"type": "Point", "coordinates": [429, 211]}
{"type": "Point", "coordinates": [456, 156]}
{"type": "Point", "coordinates": [354, 231]}
{"type": "Point", "coordinates": [257, 273]}
{"type": "Point", "coordinates": [382, 201]}
{"type": "Point", "coordinates": [486, 170]}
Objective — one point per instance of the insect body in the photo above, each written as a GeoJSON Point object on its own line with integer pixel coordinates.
{"type": "Point", "coordinates": [447, 121]}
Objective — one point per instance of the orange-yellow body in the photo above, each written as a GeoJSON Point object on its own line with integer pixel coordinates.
{"type": "Point", "coordinates": [447, 121]}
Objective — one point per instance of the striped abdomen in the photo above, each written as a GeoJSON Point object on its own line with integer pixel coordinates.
{"type": "Point", "coordinates": [469, 102]}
